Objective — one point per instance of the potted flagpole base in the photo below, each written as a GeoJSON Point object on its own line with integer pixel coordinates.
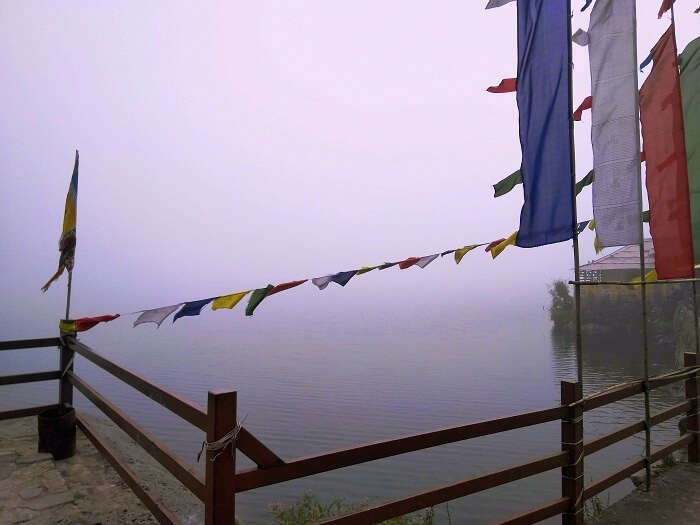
{"type": "Point", "coordinates": [56, 428]}
{"type": "Point", "coordinates": [56, 425]}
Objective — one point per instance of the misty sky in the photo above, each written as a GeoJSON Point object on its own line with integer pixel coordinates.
{"type": "Point", "coordinates": [227, 145]}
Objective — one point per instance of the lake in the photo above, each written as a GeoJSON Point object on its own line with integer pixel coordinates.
{"type": "Point", "coordinates": [314, 383]}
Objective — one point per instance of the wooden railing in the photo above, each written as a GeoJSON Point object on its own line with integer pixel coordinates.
{"type": "Point", "coordinates": [221, 482]}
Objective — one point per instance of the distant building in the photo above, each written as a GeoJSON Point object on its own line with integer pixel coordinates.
{"type": "Point", "coordinates": [620, 265]}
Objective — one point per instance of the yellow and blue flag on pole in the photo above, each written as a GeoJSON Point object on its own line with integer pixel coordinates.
{"type": "Point", "coordinates": [66, 244]}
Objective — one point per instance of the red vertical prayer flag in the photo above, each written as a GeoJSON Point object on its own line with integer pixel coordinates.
{"type": "Point", "coordinates": [667, 170]}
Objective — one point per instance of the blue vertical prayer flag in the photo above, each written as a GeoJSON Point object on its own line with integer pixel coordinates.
{"type": "Point", "coordinates": [545, 135]}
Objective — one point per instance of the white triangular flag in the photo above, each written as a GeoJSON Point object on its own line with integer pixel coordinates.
{"type": "Point", "coordinates": [157, 315]}
{"type": "Point", "coordinates": [425, 261]}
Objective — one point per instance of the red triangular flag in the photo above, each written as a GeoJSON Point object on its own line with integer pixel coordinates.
{"type": "Point", "coordinates": [85, 323]}
{"type": "Point", "coordinates": [507, 85]}
{"type": "Point", "coordinates": [586, 104]}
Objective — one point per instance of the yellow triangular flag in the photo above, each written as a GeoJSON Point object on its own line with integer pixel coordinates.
{"type": "Point", "coordinates": [596, 245]}
{"type": "Point", "coordinates": [496, 250]}
{"type": "Point", "coordinates": [228, 301]}
{"type": "Point", "coordinates": [366, 269]}
{"type": "Point", "coordinates": [591, 225]}
{"type": "Point", "coordinates": [461, 252]}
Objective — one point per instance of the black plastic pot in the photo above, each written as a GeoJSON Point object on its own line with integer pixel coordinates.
{"type": "Point", "coordinates": [57, 432]}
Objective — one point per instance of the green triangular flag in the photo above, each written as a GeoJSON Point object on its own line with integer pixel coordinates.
{"type": "Point", "coordinates": [645, 216]}
{"type": "Point", "coordinates": [587, 180]}
{"type": "Point", "coordinates": [504, 186]}
{"type": "Point", "coordinates": [256, 298]}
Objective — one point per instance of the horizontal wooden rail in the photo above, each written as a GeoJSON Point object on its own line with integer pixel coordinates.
{"type": "Point", "coordinates": [24, 412]}
{"type": "Point", "coordinates": [161, 453]}
{"type": "Point", "coordinates": [633, 428]}
{"type": "Point", "coordinates": [150, 501]}
{"type": "Point", "coordinates": [298, 468]}
{"type": "Point", "coordinates": [187, 410]}
{"type": "Point", "coordinates": [635, 466]}
{"type": "Point", "coordinates": [449, 492]}
{"type": "Point", "coordinates": [256, 450]}
{"type": "Point", "coordinates": [538, 514]}
{"type": "Point", "coordinates": [612, 396]}
{"type": "Point", "coordinates": [20, 344]}
{"type": "Point", "coordinates": [30, 377]}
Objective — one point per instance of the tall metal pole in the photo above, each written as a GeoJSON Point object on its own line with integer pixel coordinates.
{"type": "Point", "coordinates": [695, 295]}
{"type": "Point", "coordinates": [643, 271]}
{"type": "Point", "coordinates": [70, 282]}
{"type": "Point", "coordinates": [574, 218]}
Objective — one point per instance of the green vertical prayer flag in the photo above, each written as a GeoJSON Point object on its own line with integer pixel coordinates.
{"type": "Point", "coordinates": [645, 216]}
{"type": "Point", "coordinates": [256, 298]}
{"type": "Point", "coordinates": [504, 186]}
{"type": "Point", "coordinates": [689, 63]}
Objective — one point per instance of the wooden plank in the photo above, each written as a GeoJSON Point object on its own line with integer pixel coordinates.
{"type": "Point", "coordinates": [613, 437]}
{"type": "Point", "coordinates": [30, 377]}
{"type": "Point", "coordinates": [24, 412]}
{"type": "Point", "coordinates": [65, 364]}
{"type": "Point", "coordinates": [187, 410]}
{"type": "Point", "coordinates": [671, 447]}
{"type": "Point", "coordinates": [540, 513]}
{"type": "Point", "coordinates": [691, 394]}
{"type": "Point", "coordinates": [572, 445]}
{"type": "Point", "coordinates": [19, 344]}
{"type": "Point", "coordinates": [613, 395]}
{"type": "Point", "coordinates": [675, 410]}
{"type": "Point", "coordinates": [150, 501]}
{"type": "Point", "coordinates": [220, 501]}
{"type": "Point", "coordinates": [256, 450]}
{"type": "Point", "coordinates": [612, 479]}
{"type": "Point", "coordinates": [449, 492]}
{"type": "Point", "coordinates": [301, 467]}
{"type": "Point", "coordinates": [186, 475]}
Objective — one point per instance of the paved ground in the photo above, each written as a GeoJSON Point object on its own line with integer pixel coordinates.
{"type": "Point", "coordinates": [674, 499]}
{"type": "Point", "coordinates": [82, 490]}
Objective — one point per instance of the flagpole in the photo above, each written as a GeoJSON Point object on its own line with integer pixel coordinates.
{"type": "Point", "coordinates": [642, 269]}
{"type": "Point", "coordinates": [695, 296]}
{"type": "Point", "coordinates": [68, 290]}
{"type": "Point", "coordinates": [574, 222]}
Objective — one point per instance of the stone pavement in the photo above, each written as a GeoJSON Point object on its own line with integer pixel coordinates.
{"type": "Point", "coordinates": [674, 499]}
{"type": "Point", "coordinates": [80, 490]}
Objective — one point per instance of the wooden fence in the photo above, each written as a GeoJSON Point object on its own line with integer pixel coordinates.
{"type": "Point", "coordinates": [221, 482]}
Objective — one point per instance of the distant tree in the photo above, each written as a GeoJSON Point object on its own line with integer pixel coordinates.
{"type": "Point", "coordinates": [561, 311]}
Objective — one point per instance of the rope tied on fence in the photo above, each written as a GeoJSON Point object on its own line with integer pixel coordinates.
{"type": "Point", "coordinates": [220, 444]}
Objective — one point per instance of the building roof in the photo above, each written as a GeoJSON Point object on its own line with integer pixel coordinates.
{"type": "Point", "coordinates": [625, 258]}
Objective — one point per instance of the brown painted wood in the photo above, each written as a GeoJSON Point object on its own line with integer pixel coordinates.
{"type": "Point", "coordinates": [186, 475]}
{"type": "Point", "coordinates": [691, 394]}
{"type": "Point", "coordinates": [663, 381]}
{"type": "Point", "coordinates": [572, 445]}
{"type": "Point", "coordinates": [256, 450]}
{"type": "Point", "coordinates": [612, 396]}
{"type": "Point", "coordinates": [150, 501]}
{"type": "Point", "coordinates": [612, 479]}
{"type": "Point", "coordinates": [30, 377]}
{"type": "Point", "coordinates": [677, 444]}
{"type": "Point", "coordinates": [187, 410]}
{"type": "Point", "coordinates": [24, 412]}
{"type": "Point", "coordinates": [449, 492]}
{"type": "Point", "coordinates": [301, 467]}
{"type": "Point", "coordinates": [613, 437]}
{"type": "Point", "coordinates": [538, 514]}
{"type": "Point", "coordinates": [220, 500]}
{"type": "Point", "coordinates": [19, 344]}
{"type": "Point", "coordinates": [675, 410]}
{"type": "Point", "coordinates": [65, 389]}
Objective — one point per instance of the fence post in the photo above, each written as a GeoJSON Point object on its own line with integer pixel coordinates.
{"type": "Point", "coordinates": [220, 501]}
{"type": "Point", "coordinates": [693, 420]}
{"type": "Point", "coordinates": [65, 389]}
{"type": "Point", "coordinates": [572, 442]}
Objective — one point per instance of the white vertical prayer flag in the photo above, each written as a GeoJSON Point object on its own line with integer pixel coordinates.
{"type": "Point", "coordinates": [615, 123]}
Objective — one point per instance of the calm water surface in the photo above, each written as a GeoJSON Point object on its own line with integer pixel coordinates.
{"type": "Point", "coordinates": [315, 384]}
